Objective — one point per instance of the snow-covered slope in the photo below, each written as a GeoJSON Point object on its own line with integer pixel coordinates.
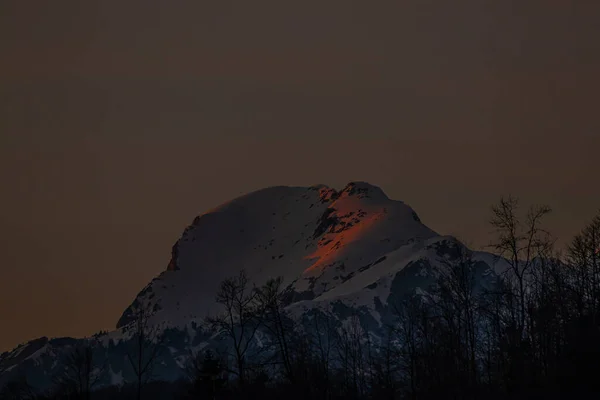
{"type": "Point", "coordinates": [355, 248]}
{"type": "Point", "coordinates": [316, 238]}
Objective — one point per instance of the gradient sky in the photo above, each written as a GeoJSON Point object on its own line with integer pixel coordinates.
{"type": "Point", "coordinates": [122, 120]}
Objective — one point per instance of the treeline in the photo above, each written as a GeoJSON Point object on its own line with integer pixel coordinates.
{"type": "Point", "coordinates": [532, 330]}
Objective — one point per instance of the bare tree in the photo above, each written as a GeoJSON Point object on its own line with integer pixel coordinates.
{"type": "Point", "coordinates": [273, 318]}
{"type": "Point", "coordinates": [383, 366]}
{"type": "Point", "coordinates": [324, 340]}
{"type": "Point", "coordinates": [584, 259]}
{"type": "Point", "coordinates": [520, 243]}
{"type": "Point", "coordinates": [145, 347]}
{"type": "Point", "coordinates": [80, 374]}
{"type": "Point", "coordinates": [458, 303]}
{"type": "Point", "coordinates": [239, 319]}
{"type": "Point", "coordinates": [351, 353]}
{"type": "Point", "coordinates": [406, 329]}
{"type": "Point", "coordinates": [311, 356]}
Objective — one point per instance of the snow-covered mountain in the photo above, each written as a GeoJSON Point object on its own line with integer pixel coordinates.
{"type": "Point", "coordinates": [353, 251]}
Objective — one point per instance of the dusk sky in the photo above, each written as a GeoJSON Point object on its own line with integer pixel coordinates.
{"type": "Point", "coordinates": [121, 121]}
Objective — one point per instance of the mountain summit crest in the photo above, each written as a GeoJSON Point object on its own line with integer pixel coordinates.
{"type": "Point", "coordinates": [315, 237]}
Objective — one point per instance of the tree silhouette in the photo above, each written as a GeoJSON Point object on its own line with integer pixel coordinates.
{"type": "Point", "coordinates": [279, 326]}
{"type": "Point", "coordinates": [145, 347]}
{"type": "Point", "coordinates": [239, 320]}
{"type": "Point", "coordinates": [80, 374]}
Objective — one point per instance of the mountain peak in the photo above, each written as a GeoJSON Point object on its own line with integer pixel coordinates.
{"type": "Point", "coordinates": [364, 189]}
{"type": "Point", "coordinates": [314, 237]}
{"type": "Point", "coordinates": [352, 251]}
